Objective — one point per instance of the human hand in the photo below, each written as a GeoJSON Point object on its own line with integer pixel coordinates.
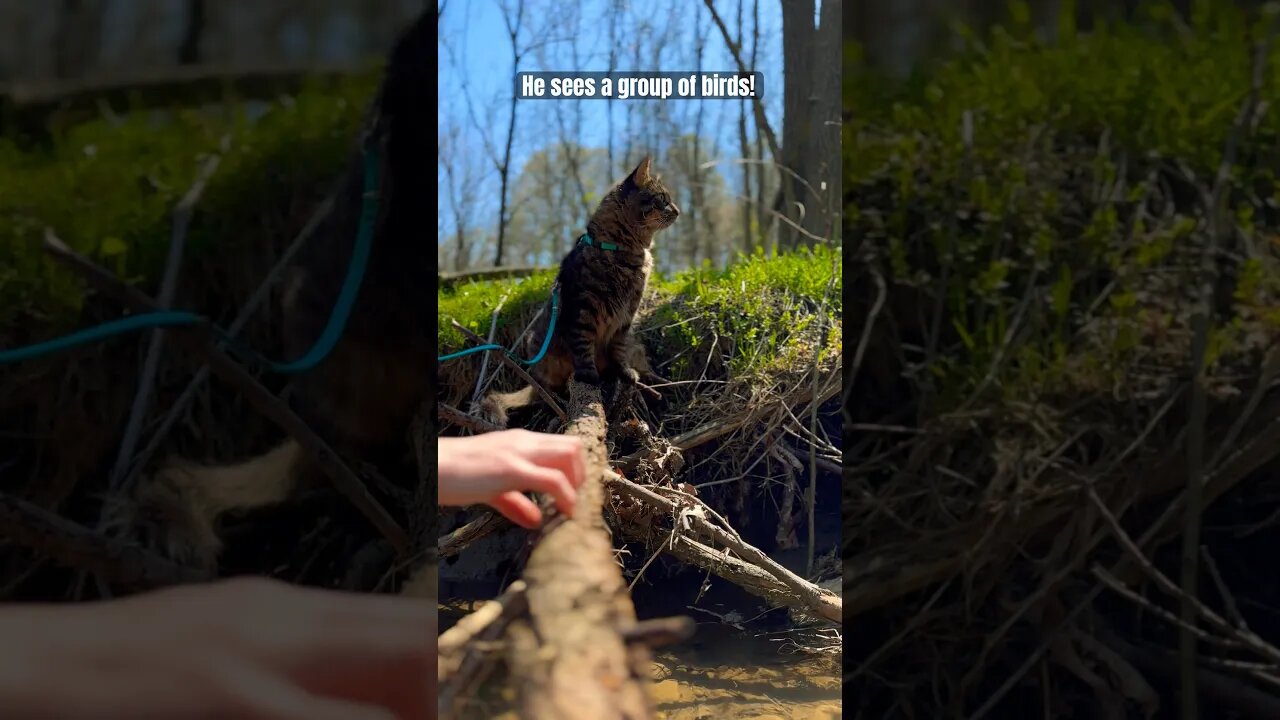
{"type": "Point", "coordinates": [494, 468]}
{"type": "Point", "coordinates": [245, 648]}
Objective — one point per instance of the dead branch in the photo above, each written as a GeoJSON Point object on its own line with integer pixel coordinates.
{"type": "Point", "coordinates": [448, 279]}
{"type": "Point", "coordinates": [468, 649]}
{"type": "Point", "coordinates": [568, 656]}
{"type": "Point", "coordinates": [179, 406]}
{"type": "Point", "coordinates": [1224, 690]}
{"type": "Point", "coordinates": [754, 571]}
{"type": "Point", "coordinates": [168, 287]}
{"type": "Point", "coordinates": [448, 413]}
{"type": "Point", "coordinates": [79, 547]}
{"type": "Point", "coordinates": [660, 631]}
{"type": "Point", "coordinates": [199, 341]}
{"type": "Point", "coordinates": [486, 524]}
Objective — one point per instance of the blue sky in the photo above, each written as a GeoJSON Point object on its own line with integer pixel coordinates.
{"type": "Point", "coordinates": [475, 51]}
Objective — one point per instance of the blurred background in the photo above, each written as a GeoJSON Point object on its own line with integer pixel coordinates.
{"type": "Point", "coordinates": [1061, 427]}
{"type": "Point", "coordinates": [64, 40]}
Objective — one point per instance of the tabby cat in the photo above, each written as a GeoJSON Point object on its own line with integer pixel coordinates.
{"type": "Point", "coordinates": [600, 284]}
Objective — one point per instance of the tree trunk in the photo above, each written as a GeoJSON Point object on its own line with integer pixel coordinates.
{"type": "Point", "coordinates": [78, 37]}
{"type": "Point", "coordinates": [189, 50]}
{"type": "Point", "coordinates": [808, 188]}
{"type": "Point", "coordinates": [513, 31]}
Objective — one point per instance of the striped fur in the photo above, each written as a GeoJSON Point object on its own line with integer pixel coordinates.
{"type": "Point", "coordinates": [600, 292]}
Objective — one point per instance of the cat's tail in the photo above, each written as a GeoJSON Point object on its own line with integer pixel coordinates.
{"type": "Point", "coordinates": [177, 508]}
{"type": "Point", "coordinates": [496, 406]}
{"type": "Point", "coordinates": [424, 583]}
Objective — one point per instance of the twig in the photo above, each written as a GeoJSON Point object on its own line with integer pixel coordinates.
{"type": "Point", "coordinates": [486, 524]}
{"type": "Point", "coordinates": [168, 288]}
{"type": "Point", "coordinates": [484, 362]}
{"type": "Point", "coordinates": [198, 341]}
{"type": "Point", "coordinates": [1243, 636]}
{"type": "Point", "coordinates": [1195, 445]}
{"type": "Point", "coordinates": [448, 413]}
{"type": "Point", "coordinates": [79, 547]}
{"type": "Point", "coordinates": [1225, 691]}
{"type": "Point", "coordinates": [826, 605]}
{"type": "Point", "coordinates": [864, 341]}
{"type": "Point", "coordinates": [657, 632]}
{"type": "Point", "coordinates": [811, 499]}
{"type": "Point", "coordinates": [449, 279]}
{"type": "Point", "coordinates": [1228, 600]}
{"type": "Point", "coordinates": [542, 309]}
{"type": "Point", "coordinates": [477, 635]}
{"type": "Point", "coordinates": [515, 367]}
{"type": "Point", "coordinates": [242, 318]}
{"type": "Point", "coordinates": [761, 119]}
{"type": "Point", "coordinates": [455, 638]}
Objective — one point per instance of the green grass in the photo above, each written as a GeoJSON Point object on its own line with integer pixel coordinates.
{"type": "Point", "coordinates": [761, 308]}
{"type": "Point", "coordinates": [109, 190]}
{"type": "Point", "coordinates": [1039, 220]}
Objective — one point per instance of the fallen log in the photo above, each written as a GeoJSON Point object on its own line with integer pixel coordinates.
{"type": "Point", "coordinates": [447, 279]}
{"type": "Point", "coordinates": [568, 655]}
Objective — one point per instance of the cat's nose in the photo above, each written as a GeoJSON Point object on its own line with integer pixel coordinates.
{"type": "Point", "coordinates": [675, 210]}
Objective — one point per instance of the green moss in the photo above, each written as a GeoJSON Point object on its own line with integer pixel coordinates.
{"type": "Point", "coordinates": [108, 188]}
{"type": "Point", "coordinates": [1055, 185]}
{"type": "Point", "coordinates": [759, 310]}
{"type": "Point", "coordinates": [472, 306]}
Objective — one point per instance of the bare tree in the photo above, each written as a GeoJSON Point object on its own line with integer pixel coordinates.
{"type": "Point", "coordinates": [811, 120]}
{"type": "Point", "coordinates": [513, 19]}
{"type": "Point", "coordinates": [193, 32]}
{"type": "Point", "coordinates": [695, 170]}
{"type": "Point", "coordinates": [744, 148]}
{"type": "Point", "coordinates": [463, 184]}
{"type": "Point", "coordinates": [78, 37]}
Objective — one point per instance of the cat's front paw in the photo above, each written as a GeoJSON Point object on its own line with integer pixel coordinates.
{"type": "Point", "coordinates": [587, 375]}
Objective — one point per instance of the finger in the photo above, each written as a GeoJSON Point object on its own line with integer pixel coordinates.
{"type": "Point", "coordinates": [518, 508]}
{"type": "Point", "coordinates": [551, 481]}
{"type": "Point", "coordinates": [579, 464]}
{"type": "Point", "coordinates": [568, 458]}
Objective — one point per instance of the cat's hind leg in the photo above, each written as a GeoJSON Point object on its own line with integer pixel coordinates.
{"type": "Point", "coordinates": [178, 507]}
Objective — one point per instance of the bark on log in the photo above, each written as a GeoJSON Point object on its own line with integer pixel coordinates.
{"type": "Point", "coordinates": [568, 655]}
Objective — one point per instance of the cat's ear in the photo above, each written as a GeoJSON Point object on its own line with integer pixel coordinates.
{"type": "Point", "coordinates": [639, 176]}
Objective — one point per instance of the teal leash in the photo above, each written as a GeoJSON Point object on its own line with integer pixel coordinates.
{"type": "Point", "coordinates": [546, 341]}
{"type": "Point", "coordinates": [324, 345]}
{"type": "Point", "coordinates": [584, 239]}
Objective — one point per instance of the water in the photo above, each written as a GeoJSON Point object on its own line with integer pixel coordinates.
{"type": "Point", "coordinates": [726, 673]}
{"type": "Point", "coordinates": [721, 672]}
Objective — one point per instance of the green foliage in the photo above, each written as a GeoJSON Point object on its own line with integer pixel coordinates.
{"type": "Point", "coordinates": [108, 188]}
{"type": "Point", "coordinates": [1058, 188]}
{"type": "Point", "coordinates": [760, 308]}
{"type": "Point", "coordinates": [472, 306]}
